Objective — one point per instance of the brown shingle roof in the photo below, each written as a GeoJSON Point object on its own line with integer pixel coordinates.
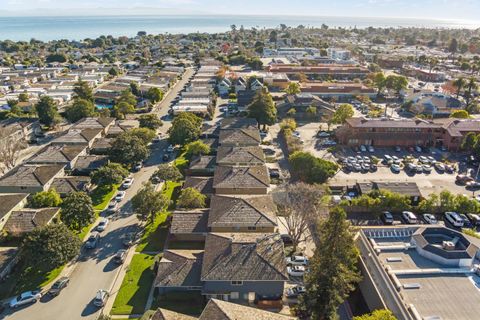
{"type": "Point", "coordinates": [26, 220]}
{"type": "Point", "coordinates": [244, 257]}
{"type": "Point", "coordinates": [179, 268]}
{"type": "Point", "coordinates": [387, 123]}
{"type": "Point", "coordinates": [164, 314]}
{"type": "Point", "coordinates": [251, 211]}
{"type": "Point", "coordinates": [202, 163]}
{"type": "Point", "coordinates": [93, 123]}
{"type": "Point", "coordinates": [202, 184]}
{"type": "Point", "coordinates": [66, 185]}
{"type": "Point", "coordinates": [232, 155]}
{"type": "Point", "coordinates": [76, 136]}
{"type": "Point", "coordinates": [239, 137]}
{"type": "Point", "coordinates": [223, 310]}
{"type": "Point", "coordinates": [189, 222]}
{"type": "Point", "coordinates": [241, 177]}
{"type": "Point", "coordinates": [239, 123]}
{"type": "Point", "coordinates": [90, 162]}
{"type": "Point", "coordinates": [30, 175]}
{"type": "Point", "coordinates": [57, 154]}
{"type": "Point", "coordinates": [10, 201]}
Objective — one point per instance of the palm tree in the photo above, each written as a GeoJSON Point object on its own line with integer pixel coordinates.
{"type": "Point", "coordinates": [432, 62]}
{"type": "Point", "coordinates": [471, 85]}
{"type": "Point", "coordinates": [459, 84]}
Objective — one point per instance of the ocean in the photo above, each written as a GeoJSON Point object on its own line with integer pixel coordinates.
{"type": "Point", "coordinates": [81, 27]}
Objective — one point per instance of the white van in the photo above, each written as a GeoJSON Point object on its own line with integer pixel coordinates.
{"type": "Point", "coordinates": [454, 219]}
{"type": "Point", "coordinates": [409, 217]}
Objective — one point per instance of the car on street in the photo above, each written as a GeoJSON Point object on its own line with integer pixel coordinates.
{"type": "Point", "coordinates": [128, 239]}
{"type": "Point", "coordinates": [112, 207]}
{"type": "Point", "coordinates": [127, 183]}
{"type": "Point", "coordinates": [395, 168]}
{"type": "Point", "coordinates": [466, 222]}
{"type": "Point", "coordinates": [274, 173]}
{"type": "Point", "coordinates": [137, 167]}
{"type": "Point", "coordinates": [396, 160]}
{"type": "Point", "coordinates": [25, 298]}
{"type": "Point", "coordinates": [474, 218]}
{"type": "Point", "coordinates": [473, 185]}
{"type": "Point", "coordinates": [463, 179]}
{"type": "Point", "coordinates": [170, 149]}
{"type": "Point", "coordinates": [440, 167]}
{"type": "Point", "coordinates": [102, 225]}
{"type": "Point", "coordinates": [120, 195]}
{"type": "Point", "coordinates": [431, 160]}
{"type": "Point", "coordinates": [296, 271]}
{"type": "Point", "coordinates": [296, 291]}
{"type": "Point", "coordinates": [429, 218]}
{"type": "Point", "coordinates": [101, 298]}
{"type": "Point", "coordinates": [357, 167]}
{"type": "Point", "coordinates": [92, 241]}
{"type": "Point", "coordinates": [387, 217]}
{"type": "Point", "coordinates": [119, 257]}
{"type": "Point", "coordinates": [387, 159]}
{"type": "Point", "coordinates": [297, 260]}
{"type": "Point", "coordinates": [58, 286]}
{"type": "Point", "coordinates": [296, 134]}
{"type": "Point", "coordinates": [454, 218]}
{"type": "Point", "coordinates": [449, 168]}
{"type": "Point", "coordinates": [409, 217]}
{"type": "Point", "coordinates": [286, 239]}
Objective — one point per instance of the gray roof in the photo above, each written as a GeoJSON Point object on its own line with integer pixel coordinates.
{"type": "Point", "coordinates": [164, 314]}
{"type": "Point", "coordinates": [189, 222]}
{"type": "Point", "coordinates": [10, 201]}
{"type": "Point", "coordinates": [90, 162]}
{"type": "Point", "coordinates": [231, 155]}
{"type": "Point", "coordinates": [57, 154]}
{"type": "Point", "coordinates": [78, 136]}
{"type": "Point", "coordinates": [251, 211]}
{"type": "Point", "coordinates": [102, 143]}
{"type": "Point", "coordinates": [26, 220]}
{"type": "Point", "coordinates": [241, 177]}
{"type": "Point", "coordinates": [223, 310]}
{"type": "Point", "coordinates": [202, 163]}
{"type": "Point", "coordinates": [202, 184]}
{"type": "Point", "coordinates": [239, 123]}
{"type": "Point", "coordinates": [30, 175]}
{"type": "Point", "coordinates": [239, 137]}
{"type": "Point", "coordinates": [64, 185]}
{"type": "Point", "coordinates": [93, 123]}
{"type": "Point", "coordinates": [405, 188]}
{"type": "Point", "coordinates": [244, 257]}
{"type": "Point", "coordinates": [179, 268]}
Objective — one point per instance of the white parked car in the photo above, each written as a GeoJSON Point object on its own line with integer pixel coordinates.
{"type": "Point", "coordinates": [297, 260]}
{"type": "Point", "coordinates": [296, 271]}
{"type": "Point", "coordinates": [25, 298]}
{"type": "Point", "coordinates": [454, 218]}
{"type": "Point", "coordinates": [120, 195]}
{"type": "Point", "coordinates": [430, 218]}
{"type": "Point", "coordinates": [102, 225]}
{"type": "Point", "coordinates": [112, 207]}
{"type": "Point", "coordinates": [395, 168]}
{"type": "Point", "coordinates": [418, 149]}
{"type": "Point", "coordinates": [295, 291]}
{"type": "Point", "coordinates": [127, 183]}
{"type": "Point", "coordinates": [101, 298]}
{"type": "Point", "coordinates": [409, 217]}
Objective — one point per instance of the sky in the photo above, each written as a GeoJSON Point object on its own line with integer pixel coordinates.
{"type": "Point", "coordinates": [430, 9]}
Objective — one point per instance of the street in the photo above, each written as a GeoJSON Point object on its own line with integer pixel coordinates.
{"type": "Point", "coordinates": [95, 269]}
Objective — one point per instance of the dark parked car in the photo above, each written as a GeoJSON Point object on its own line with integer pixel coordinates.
{"type": "Point", "coordinates": [387, 217]}
{"type": "Point", "coordinates": [119, 257]}
{"type": "Point", "coordinates": [274, 173]}
{"type": "Point", "coordinates": [58, 286]}
{"type": "Point", "coordinates": [466, 222]}
{"type": "Point", "coordinates": [166, 157]}
{"type": "Point", "coordinates": [287, 240]}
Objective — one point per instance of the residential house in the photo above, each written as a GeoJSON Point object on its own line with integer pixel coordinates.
{"type": "Point", "coordinates": [239, 123]}
{"type": "Point", "coordinates": [239, 137]}
{"type": "Point", "coordinates": [245, 98]}
{"type": "Point", "coordinates": [409, 189]}
{"type": "Point", "coordinates": [243, 266]}
{"type": "Point", "coordinates": [202, 184]}
{"type": "Point", "coordinates": [26, 220]}
{"type": "Point", "coordinates": [240, 84]}
{"type": "Point", "coordinates": [242, 214]}
{"type": "Point", "coordinates": [340, 91]}
{"type": "Point", "coordinates": [223, 87]}
{"type": "Point", "coordinates": [322, 71]}
{"type": "Point", "coordinates": [21, 128]}
{"type": "Point", "coordinates": [87, 164]}
{"type": "Point", "coordinates": [256, 85]}
{"type": "Point", "coordinates": [201, 166]}
{"type": "Point", "coordinates": [241, 180]}
{"type": "Point", "coordinates": [66, 185]}
{"type": "Point", "coordinates": [101, 146]}
{"type": "Point", "coordinates": [224, 310]}
{"type": "Point", "coordinates": [240, 156]}
{"type": "Point", "coordinates": [30, 178]}
{"type": "Point", "coordinates": [94, 123]}
{"type": "Point", "coordinates": [301, 102]}
{"type": "Point", "coordinates": [189, 225]}
{"type": "Point", "coordinates": [10, 203]}
{"type": "Point", "coordinates": [65, 155]}
{"type": "Point", "coordinates": [434, 104]}
{"type": "Point", "coordinates": [79, 136]}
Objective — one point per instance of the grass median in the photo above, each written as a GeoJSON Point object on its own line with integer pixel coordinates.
{"type": "Point", "coordinates": [133, 294]}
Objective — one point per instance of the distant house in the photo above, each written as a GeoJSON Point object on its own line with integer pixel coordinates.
{"type": "Point", "coordinates": [66, 185]}
{"type": "Point", "coordinates": [26, 220]}
{"type": "Point", "coordinates": [224, 86]}
{"type": "Point", "coordinates": [79, 136]}
{"type": "Point", "coordinates": [94, 123]}
{"type": "Point", "coordinates": [10, 203]}
{"type": "Point", "coordinates": [239, 123]}
{"type": "Point", "coordinates": [30, 178]}
{"type": "Point", "coordinates": [203, 184]}
{"type": "Point", "coordinates": [65, 155]}
{"type": "Point", "coordinates": [239, 137]}
{"type": "Point", "coordinates": [241, 180]}
{"type": "Point", "coordinates": [240, 84]}
{"type": "Point", "coordinates": [256, 85]}
{"type": "Point", "coordinates": [202, 166]}
{"type": "Point", "coordinates": [101, 146]}
{"type": "Point", "coordinates": [189, 225]}
{"type": "Point", "coordinates": [243, 266]}
{"type": "Point", "coordinates": [240, 156]}
{"type": "Point", "coordinates": [301, 102]}
{"type": "Point", "coordinates": [224, 310]}
{"type": "Point", "coordinates": [21, 128]}
{"type": "Point", "coordinates": [434, 104]}
{"type": "Point", "coordinates": [87, 164]}
{"type": "Point", "coordinates": [242, 214]}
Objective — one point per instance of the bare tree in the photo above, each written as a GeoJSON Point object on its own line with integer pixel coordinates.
{"type": "Point", "coordinates": [10, 147]}
{"type": "Point", "coordinates": [300, 205]}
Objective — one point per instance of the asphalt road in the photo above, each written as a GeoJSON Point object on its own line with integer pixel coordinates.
{"type": "Point", "coordinates": [95, 269]}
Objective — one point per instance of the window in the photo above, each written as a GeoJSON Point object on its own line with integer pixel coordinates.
{"type": "Point", "coordinates": [237, 283]}
{"type": "Point", "coordinates": [252, 228]}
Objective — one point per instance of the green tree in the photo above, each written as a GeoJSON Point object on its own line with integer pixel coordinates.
{"type": "Point", "coordinates": [333, 268]}
{"type": "Point", "coordinates": [47, 111]}
{"type": "Point", "coordinates": [196, 148]}
{"type": "Point", "coordinates": [447, 201]}
{"type": "Point", "coordinates": [50, 247]}
{"type": "Point", "coordinates": [377, 315]}
{"type": "Point", "coordinates": [459, 114]}
{"type": "Point", "coordinates": [154, 94]}
{"type": "Point", "coordinates": [167, 172]}
{"type": "Point", "coordinates": [110, 174]}
{"type": "Point", "coordinates": [293, 88]}
{"type": "Point", "coordinates": [263, 108]}
{"type": "Point", "coordinates": [122, 108]}
{"type": "Point", "coordinates": [127, 97]}
{"type": "Point", "coordinates": [113, 72]}
{"type": "Point", "coordinates": [459, 84]}
{"type": "Point", "coordinates": [310, 169]}
{"type": "Point", "coordinates": [56, 57]}
{"type": "Point", "coordinates": [186, 127]}
{"type": "Point", "coordinates": [145, 134]}
{"type": "Point", "coordinates": [147, 203]}
{"type": "Point", "coordinates": [342, 113]}
{"type": "Point", "coordinates": [396, 83]}
{"type": "Point", "coordinates": [430, 204]}
{"type": "Point", "coordinates": [45, 199]}
{"type": "Point", "coordinates": [129, 149]}
{"type": "Point", "coordinates": [311, 112]}
{"type": "Point", "coordinates": [23, 97]}
{"type": "Point", "coordinates": [191, 198]}
{"type": "Point", "coordinates": [453, 46]}
{"type": "Point", "coordinates": [150, 121]}
{"type": "Point", "coordinates": [82, 90]}
{"type": "Point", "coordinates": [471, 86]}
{"type": "Point", "coordinates": [135, 89]}
{"type": "Point", "coordinates": [80, 109]}
{"type": "Point", "coordinates": [77, 210]}
{"type": "Point", "coordinates": [464, 204]}
{"type": "Point", "coordinates": [378, 80]}
{"type": "Point", "coordinates": [470, 140]}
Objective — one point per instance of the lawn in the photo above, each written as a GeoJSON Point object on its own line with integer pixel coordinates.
{"type": "Point", "coordinates": [25, 279]}
{"type": "Point", "coordinates": [101, 196]}
{"type": "Point", "coordinates": [85, 230]}
{"type": "Point", "coordinates": [133, 294]}
{"type": "Point", "coordinates": [181, 162]}
{"type": "Point", "coordinates": [188, 302]}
